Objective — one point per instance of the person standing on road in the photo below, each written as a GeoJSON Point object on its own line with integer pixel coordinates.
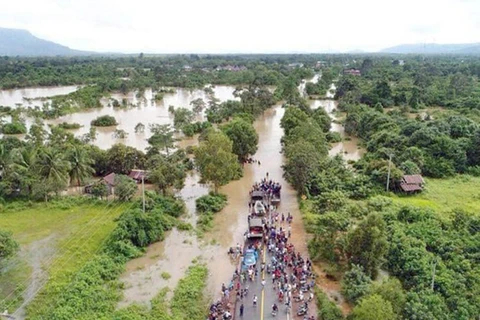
{"type": "Point", "coordinates": [241, 310]}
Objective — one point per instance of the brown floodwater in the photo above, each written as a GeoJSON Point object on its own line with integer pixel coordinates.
{"type": "Point", "coordinates": [349, 147]}
{"type": "Point", "coordinates": [142, 109]}
{"type": "Point", "coordinates": [143, 276]}
{"type": "Point", "coordinates": [14, 97]}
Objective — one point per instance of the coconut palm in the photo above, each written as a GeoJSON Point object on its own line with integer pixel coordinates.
{"type": "Point", "coordinates": [23, 166]}
{"type": "Point", "coordinates": [80, 164]}
{"type": "Point", "coordinates": [52, 166]}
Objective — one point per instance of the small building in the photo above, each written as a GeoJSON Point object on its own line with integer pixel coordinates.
{"type": "Point", "coordinates": [352, 72]}
{"type": "Point", "coordinates": [412, 183]}
{"type": "Point", "coordinates": [138, 175]}
{"type": "Point", "coordinates": [108, 180]}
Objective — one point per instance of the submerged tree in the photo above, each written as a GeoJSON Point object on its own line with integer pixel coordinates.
{"type": "Point", "coordinates": [216, 161]}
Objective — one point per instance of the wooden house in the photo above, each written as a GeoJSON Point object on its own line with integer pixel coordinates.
{"type": "Point", "coordinates": [412, 183]}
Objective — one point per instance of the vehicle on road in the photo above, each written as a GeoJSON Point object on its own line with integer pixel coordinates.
{"type": "Point", "coordinates": [259, 208]}
{"type": "Point", "coordinates": [249, 258]}
{"type": "Point", "coordinates": [255, 228]}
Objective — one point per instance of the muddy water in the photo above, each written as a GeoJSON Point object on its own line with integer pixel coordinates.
{"type": "Point", "coordinates": [142, 109]}
{"type": "Point", "coordinates": [143, 276]}
{"type": "Point", "coordinates": [349, 147]}
{"type": "Point", "coordinates": [14, 97]}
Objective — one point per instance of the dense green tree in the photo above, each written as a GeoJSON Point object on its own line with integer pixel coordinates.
{"type": "Point", "coordinates": [367, 244]}
{"type": "Point", "coordinates": [391, 290]}
{"type": "Point", "coordinates": [302, 160]}
{"type": "Point", "coordinates": [215, 160]}
{"type": "Point", "coordinates": [292, 118]}
{"type": "Point", "coordinates": [125, 187]}
{"type": "Point", "coordinates": [243, 136]}
{"type": "Point", "coordinates": [165, 173]}
{"type": "Point", "coordinates": [373, 307]}
{"type": "Point", "coordinates": [122, 159]}
{"type": "Point", "coordinates": [8, 246]}
{"type": "Point", "coordinates": [198, 105]}
{"type": "Point", "coordinates": [162, 137]}
{"type": "Point", "coordinates": [355, 283]}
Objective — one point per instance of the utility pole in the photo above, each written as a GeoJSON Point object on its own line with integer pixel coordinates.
{"type": "Point", "coordinates": [143, 191]}
{"type": "Point", "coordinates": [434, 267]}
{"type": "Point", "coordinates": [389, 168]}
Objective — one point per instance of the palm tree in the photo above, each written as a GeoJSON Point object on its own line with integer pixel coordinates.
{"type": "Point", "coordinates": [23, 166]}
{"type": "Point", "coordinates": [80, 164]}
{"type": "Point", "coordinates": [52, 166]}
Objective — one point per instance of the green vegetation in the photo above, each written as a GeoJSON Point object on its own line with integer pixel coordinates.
{"type": "Point", "coordinates": [8, 246]}
{"type": "Point", "coordinates": [69, 126]}
{"type": "Point", "coordinates": [188, 300]}
{"type": "Point", "coordinates": [243, 136]}
{"type": "Point", "coordinates": [361, 233]}
{"type": "Point", "coordinates": [215, 160]}
{"type": "Point", "coordinates": [94, 290]}
{"type": "Point", "coordinates": [446, 195]}
{"type": "Point", "coordinates": [207, 206]}
{"type": "Point", "coordinates": [71, 229]}
{"type": "Point", "coordinates": [104, 121]}
{"type": "Point", "coordinates": [14, 127]}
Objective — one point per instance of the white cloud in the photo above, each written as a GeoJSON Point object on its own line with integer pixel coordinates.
{"type": "Point", "coordinates": [243, 26]}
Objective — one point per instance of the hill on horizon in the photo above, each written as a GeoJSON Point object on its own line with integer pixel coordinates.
{"type": "Point", "coordinates": [19, 42]}
{"type": "Point", "coordinates": [435, 48]}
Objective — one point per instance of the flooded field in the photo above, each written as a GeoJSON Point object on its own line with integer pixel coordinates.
{"type": "Point", "coordinates": [30, 97]}
{"type": "Point", "coordinates": [349, 147]}
{"type": "Point", "coordinates": [142, 109]}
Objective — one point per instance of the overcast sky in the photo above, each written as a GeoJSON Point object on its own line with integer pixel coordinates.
{"type": "Point", "coordinates": [225, 26]}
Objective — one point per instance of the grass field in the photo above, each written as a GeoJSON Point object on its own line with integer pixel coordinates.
{"type": "Point", "coordinates": [445, 195]}
{"type": "Point", "coordinates": [56, 239]}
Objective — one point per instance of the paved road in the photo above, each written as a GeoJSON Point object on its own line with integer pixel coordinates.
{"type": "Point", "coordinates": [266, 298]}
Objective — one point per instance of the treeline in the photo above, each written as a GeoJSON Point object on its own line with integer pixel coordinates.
{"type": "Point", "coordinates": [360, 236]}
{"type": "Point", "coordinates": [415, 82]}
{"type": "Point", "coordinates": [127, 73]}
{"type": "Point", "coordinates": [437, 146]}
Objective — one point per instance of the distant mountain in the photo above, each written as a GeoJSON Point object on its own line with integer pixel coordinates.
{"type": "Point", "coordinates": [17, 42]}
{"type": "Point", "coordinates": [435, 48]}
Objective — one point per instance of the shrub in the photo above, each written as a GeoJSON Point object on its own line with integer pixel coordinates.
{"type": "Point", "coordinates": [211, 203]}
{"type": "Point", "coordinates": [104, 121]}
{"type": "Point", "coordinates": [327, 310]}
{"type": "Point", "coordinates": [355, 283]}
{"type": "Point", "coordinates": [69, 126]}
{"type": "Point", "coordinates": [15, 127]}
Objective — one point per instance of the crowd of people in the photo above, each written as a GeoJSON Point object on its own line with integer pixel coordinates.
{"type": "Point", "coordinates": [270, 187]}
{"type": "Point", "coordinates": [291, 274]}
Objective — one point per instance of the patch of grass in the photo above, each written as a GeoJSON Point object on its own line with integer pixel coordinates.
{"type": "Point", "coordinates": [165, 275]}
{"type": "Point", "coordinates": [445, 195]}
{"type": "Point", "coordinates": [76, 231]}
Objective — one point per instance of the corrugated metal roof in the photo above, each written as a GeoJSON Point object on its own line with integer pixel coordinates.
{"type": "Point", "coordinates": [110, 179]}
{"type": "Point", "coordinates": [410, 187]}
{"type": "Point", "coordinates": [413, 179]}
{"type": "Point", "coordinates": [137, 174]}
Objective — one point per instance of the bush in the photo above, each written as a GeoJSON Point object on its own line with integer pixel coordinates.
{"type": "Point", "coordinates": [355, 283]}
{"type": "Point", "coordinates": [327, 310]}
{"type": "Point", "coordinates": [333, 137]}
{"type": "Point", "coordinates": [125, 187]}
{"type": "Point", "coordinates": [69, 126]}
{"type": "Point", "coordinates": [15, 127]}
{"type": "Point", "coordinates": [104, 121]}
{"type": "Point", "coordinates": [211, 203]}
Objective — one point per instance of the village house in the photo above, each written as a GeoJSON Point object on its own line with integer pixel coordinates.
{"type": "Point", "coordinates": [108, 180]}
{"type": "Point", "coordinates": [352, 72]}
{"type": "Point", "coordinates": [412, 183]}
{"type": "Point", "coordinates": [138, 175]}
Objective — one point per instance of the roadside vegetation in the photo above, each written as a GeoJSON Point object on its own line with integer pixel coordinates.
{"type": "Point", "coordinates": [396, 256]}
